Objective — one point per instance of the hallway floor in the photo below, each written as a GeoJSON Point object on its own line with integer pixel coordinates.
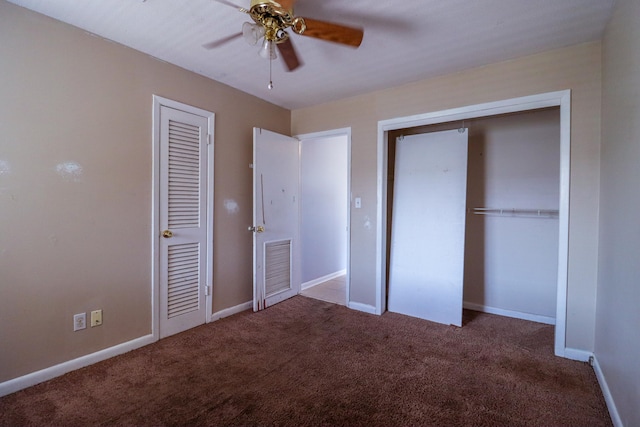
{"type": "Point", "coordinates": [334, 290]}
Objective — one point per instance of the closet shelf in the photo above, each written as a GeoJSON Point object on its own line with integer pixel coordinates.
{"type": "Point", "coordinates": [515, 212]}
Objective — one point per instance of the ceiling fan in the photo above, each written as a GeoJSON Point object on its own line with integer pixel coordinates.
{"type": "Point", "coordinates": [272, 19]}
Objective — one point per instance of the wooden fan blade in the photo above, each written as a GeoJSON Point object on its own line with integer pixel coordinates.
{"type": "Point", "coordinates": [286, 4]}
{"type": "Point", "coordinates": [333, 32]}
{"type": "Point", "coordinates": [217, 43]}
{"type": "Point", "coordinates": [289, 55]}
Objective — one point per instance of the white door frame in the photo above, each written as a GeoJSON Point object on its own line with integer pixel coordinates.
{"type": "Point", "coordinates": [328, 134]}
{"type": "Point", "coordinates": [159, 102]}
{"type": "Point", "coordinates": [560, 99]}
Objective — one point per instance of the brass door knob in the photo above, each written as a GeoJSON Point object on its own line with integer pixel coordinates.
{"type": "Point", "coordinates": [167, 233]}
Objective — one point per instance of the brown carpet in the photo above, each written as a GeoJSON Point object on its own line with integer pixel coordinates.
{"type": "Point", "coordinates": [310, 363]}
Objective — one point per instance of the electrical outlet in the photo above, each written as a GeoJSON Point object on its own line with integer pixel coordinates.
{"type": "Point", "coordinates": [96, 318]}
{"type": "Point", "coordinates": [79, 321]}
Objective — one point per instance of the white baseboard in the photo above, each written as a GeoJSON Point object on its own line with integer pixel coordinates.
{"type": "Point", "coordinates": [611, 405]}
{"type": "Point", "coordinates": [509, 313]}
{"type": "Point", "coordinates": [46, 374]}
{"type": "Point", "coordinates": [311, 283]}
{"type": "Point", "coordinates": [371, 309]}
{"type": "Point", "coordinates": [231, 311]}
{"type": "Point", "coordinates": [575, 354]}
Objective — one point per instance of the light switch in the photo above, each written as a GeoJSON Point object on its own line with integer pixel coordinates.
{"type": "Point", "coordinates": [358, 202]}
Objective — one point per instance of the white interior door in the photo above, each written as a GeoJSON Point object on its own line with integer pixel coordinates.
{"type": "Point", "coordinates": [183, 220]}
{"type": "Point", "coordinates": [276, 179]}
{"type": "Point", "coordinates": [428, 225]}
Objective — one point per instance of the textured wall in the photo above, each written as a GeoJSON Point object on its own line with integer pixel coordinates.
{"type": "Point", "coordinates": [75, 187]}
{"type": "Point", "coordinates": [617, 337]}
{"type": "Point", "coordinates": [577, 68]}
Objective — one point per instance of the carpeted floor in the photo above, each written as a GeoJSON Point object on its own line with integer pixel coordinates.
{"type": "Point", "coordinates": [306, 362]}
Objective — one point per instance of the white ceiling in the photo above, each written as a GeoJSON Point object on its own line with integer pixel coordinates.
{"type": "Point", "coordinates": [404, 41]}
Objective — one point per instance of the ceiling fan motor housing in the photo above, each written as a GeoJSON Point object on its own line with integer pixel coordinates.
{"type": "Point", "coordinates": [275, 19]}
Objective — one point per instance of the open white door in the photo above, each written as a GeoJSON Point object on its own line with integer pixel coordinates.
{"type": "Point", "coordinates": [276, 177]}
{"type": "Point", "coordinates": [428, 225]}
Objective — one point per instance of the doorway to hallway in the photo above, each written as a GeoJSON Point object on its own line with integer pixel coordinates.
{"type": "Point", "coordinates": [333, 290]}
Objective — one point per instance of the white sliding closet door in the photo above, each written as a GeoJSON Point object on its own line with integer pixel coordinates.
{"type": "Point", "coordinates": [428, 225]}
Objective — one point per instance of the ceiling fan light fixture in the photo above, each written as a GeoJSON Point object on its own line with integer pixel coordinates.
{"type": "Point", "coordinates": [268, 50]}
{"type": "Point", "coordinates": [252, 32]}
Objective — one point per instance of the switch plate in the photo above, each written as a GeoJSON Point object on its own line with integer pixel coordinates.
{"type": "Point", "coordinates": [79, 321]}
{"type": "Point", "coordinates": [96, 318]}
{"type": "Point", "coordinates": [358, 202]}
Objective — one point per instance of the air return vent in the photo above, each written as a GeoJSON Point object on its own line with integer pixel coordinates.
{"type": "Point", "coordinates": [277, 267]}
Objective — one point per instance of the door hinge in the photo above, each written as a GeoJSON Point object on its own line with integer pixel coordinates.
{"type": "Point", "coordinates": [207, 290]}
{"type": "Point", "coordinates": [208, 139]}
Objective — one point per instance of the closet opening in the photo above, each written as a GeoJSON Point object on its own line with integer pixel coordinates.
{"type": "Point", "coordinates": [512, 204]}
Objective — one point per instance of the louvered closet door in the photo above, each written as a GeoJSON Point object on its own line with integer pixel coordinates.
{"type": "Point", "coordinates": [183, 222]}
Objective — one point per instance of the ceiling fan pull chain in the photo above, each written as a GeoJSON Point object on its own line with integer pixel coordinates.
{"type": "Point", "coordinates": [270, 86]}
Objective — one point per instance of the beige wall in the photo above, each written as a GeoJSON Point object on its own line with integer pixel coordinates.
{"type": "Point", "coordinates": [618, 315]}
{"type": "Point", "coordinates": [577, 68]}
{"type": "Point", "coordinates": [75, 187]}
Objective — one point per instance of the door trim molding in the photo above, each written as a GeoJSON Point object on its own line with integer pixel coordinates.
{"type": "Point", "coordinates": [328, 134]}
{"type": "Point", "coordinates": [560, 99]}
{"type": "Point", "coordinates": [159, 102]}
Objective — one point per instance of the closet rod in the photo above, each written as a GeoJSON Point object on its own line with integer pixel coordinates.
{"type": "Point", "coordinates": [533, 213]}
